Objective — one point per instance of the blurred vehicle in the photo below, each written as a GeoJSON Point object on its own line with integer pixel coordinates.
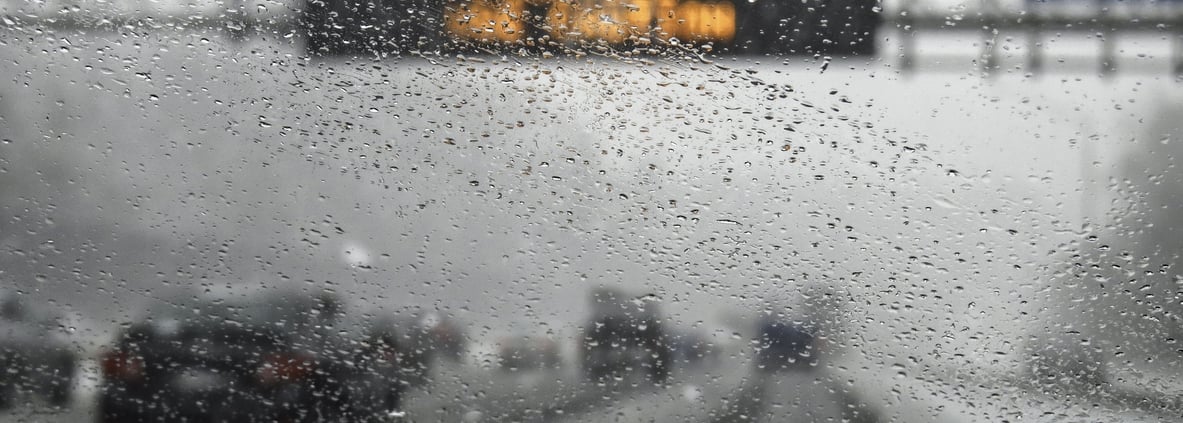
{"type": "Point", "coordinates": [35, 353]}
{"type": "Point", "coordinates": [422, 339]}
{"type": "Point", "coordinates": [836, 27]}
{"type": "Point", "coordinates": [355, 27]}
{"type": "Point", "coordinates": [690, 348]}
{"type": "Point", "coordinates": [785, 345]}
{"type": "Point", "coordinates": [624, 335]}
{"type": "Point", "coordinates": [528, 353]}
{"type": "Point", "coordinates": [373, 28]}
{"type": "Point", "coordinates": [442, 335]}
{"type": "Point", "coordinates": [377, 389]}
{"type": "Point", "coordinates": [272, 357]}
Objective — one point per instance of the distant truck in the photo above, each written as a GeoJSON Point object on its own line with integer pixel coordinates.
{"type": "Point", "coordinates": [624, 336]}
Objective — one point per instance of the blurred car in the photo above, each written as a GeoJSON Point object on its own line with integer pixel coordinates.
{"type": "Point", "coordinates": [786, 345]}
{"type": "Point", "coordinates": [624, 335]}
{"type": "Point", "coordinates": [275, 357]}
{"type": "Point", "coordinates": [838, 27]}
{"type": "Point", "coordinates": [528, 353]}
{"type": "Point", "coordinates": [689, 348]}
{"type": "Point", "coordinates": [442, 335]}
{"type": "Point", "coordinates": [35, 354]}
{"type": "Point", "coordinates": [424, 338]}
{"type": "Point", "coordinates": [371, 28]}
{"type": "Point", "coordinates": [377, 388]}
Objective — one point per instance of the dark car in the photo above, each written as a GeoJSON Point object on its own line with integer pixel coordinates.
{"type": "Point", "coordinates": [34, 353]}
{"type": "Point", "coordinates": [273, 358]}
{"type": "Point", "coordinates": [624, 336]}
{"type": "Point", "coordinates": [369, 27]}
{"type": "Point", "coordinates": [838, 27]}
{"type": "Point", "coordinates": [691, 348]}
{"type": "Point", "coordinates": [786, 345]}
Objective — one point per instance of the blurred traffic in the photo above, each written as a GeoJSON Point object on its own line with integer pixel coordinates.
{"type": "Point", "coordinates": [308, 355]}
{"type": "Point", "coordinates": [283, 354]}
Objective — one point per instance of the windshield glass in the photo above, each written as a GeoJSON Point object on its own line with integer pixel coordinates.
{"type": "Point", "coordinates": [591, 210]}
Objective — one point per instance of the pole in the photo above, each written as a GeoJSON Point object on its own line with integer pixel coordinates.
{"type": "Point", "coordinates": [907, 36]}
{"type": "Point", "coordinates": [1034, 46]}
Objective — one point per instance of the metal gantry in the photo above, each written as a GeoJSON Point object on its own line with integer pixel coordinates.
{"type": "Point", "coordinates": [1037, 22]}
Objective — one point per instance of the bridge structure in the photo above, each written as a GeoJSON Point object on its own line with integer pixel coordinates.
{"type": "Point", "coordinates": [1105, 21]}
{"type": "Point", "coordinates": [1102, 21]}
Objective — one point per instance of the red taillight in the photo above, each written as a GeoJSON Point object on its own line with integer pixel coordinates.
{"type": "Point", "coordinates": [278, 368]}
{"type": "Point", "coordinates": [386, 353]}
{"type": "Point", "coordinates": [122, 365]}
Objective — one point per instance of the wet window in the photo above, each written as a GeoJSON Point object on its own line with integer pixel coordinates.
{"type": "Point", "coordinates": [590, 210]}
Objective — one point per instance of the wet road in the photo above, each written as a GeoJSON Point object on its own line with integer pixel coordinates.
{"type": "Point", "coordinates": [724, 391]}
